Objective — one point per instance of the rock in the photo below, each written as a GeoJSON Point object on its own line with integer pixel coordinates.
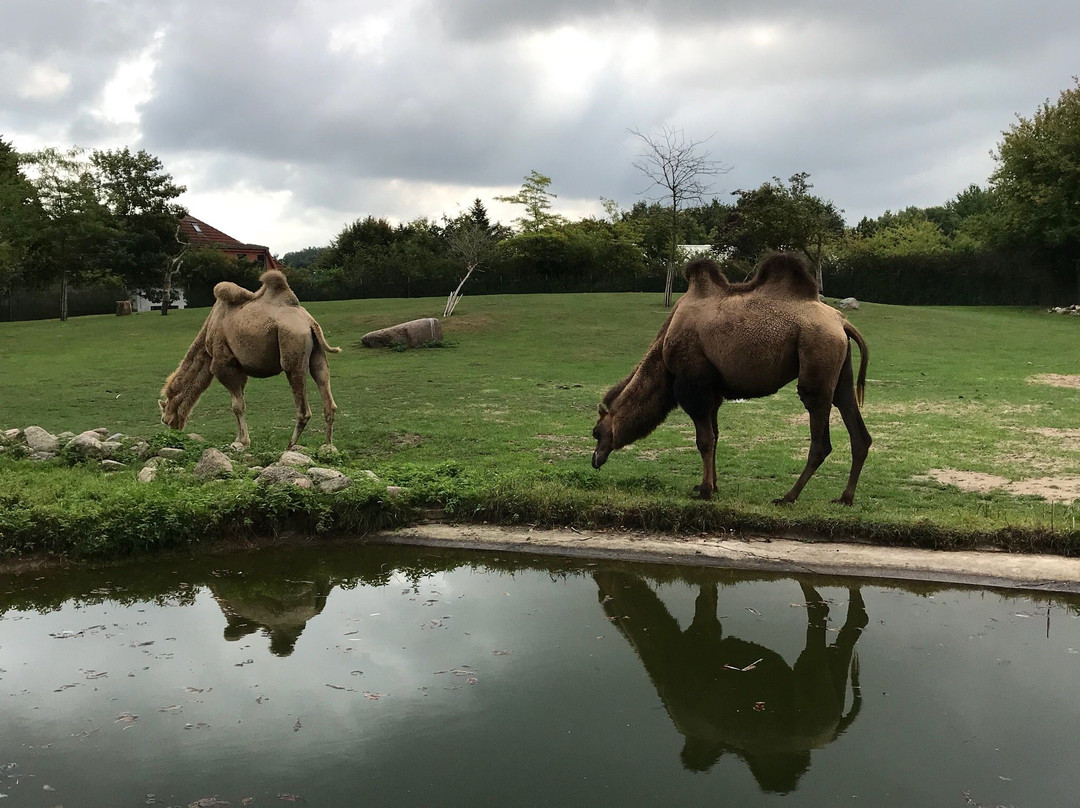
{"type": "Point", "coordinates": [371, 475]}
{"type": "Point", "coordinates": [394, 490]}
{"type": "Point", "coordinates": [303, 482]}
{"type": "Point", "coordinates": [170, 453]}
{"type": "Point", "coordinates": [116, 437]}
{"type": "Point", "coordinates": [278, 475]}
{"type": "Point", "coordinates": [335, 484]}
{"type": "Point", "coordinates": [12, 435]}
{"type": "Point", "coordinates": [847, 303]}
{"type": "Point", "coordinates": [411, 334]}
{"type": "Point", "coordinates": [140, 449]}
{"type": "Point", "coordinates": [66, 435]}
{"type": "Point", "coordinates": [39, 456]}
{"type": "Point", "coordinates": [328, 480]}
{"type": "Point", "coordinates": [294, 458]}
{"type": "Point", "coordinates": [112, 465]}
{"type": "Point", "coordinates": [41, 440]}
{"type": "Point", "coordinates": [213, 463]}
{"type": "Point", "coordinates": [101, 432]}
{"type": "Point", "coordinates": [86, 444]}
{"type": "Point", "coordinates": [196, 437]}
{"type": "Point", "coordinates": [147, 474]}
{"type": "Point", "coordinates": [320, 475]}
{"type": "Point", "coordinates": [110, 448]}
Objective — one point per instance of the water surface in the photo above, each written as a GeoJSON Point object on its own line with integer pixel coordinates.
{"type": "Point", "coordinates": [374, 676]}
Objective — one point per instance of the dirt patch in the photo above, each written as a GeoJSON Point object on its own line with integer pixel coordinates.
{"type": "Point", "coordinates": [966, 480]}
{"type": "Point", "coordinates": [1056, 380]}
{"type": "Point", "coordinates": [1064, 489]}
{"type": "Point", "coordinates": [405, 440]}
{"type": "Point", "coordinates": [565, 446]}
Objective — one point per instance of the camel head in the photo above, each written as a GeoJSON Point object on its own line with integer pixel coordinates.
{"type": "Point", "coordinates": [173, 415]}
{"type": "Point", "coordinates": [604, 435]}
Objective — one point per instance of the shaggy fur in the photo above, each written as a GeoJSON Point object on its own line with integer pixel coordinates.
{"type": "Point", "coordinates": [257, 334]}
{"type": "Point", "coordinates": [744, 340]}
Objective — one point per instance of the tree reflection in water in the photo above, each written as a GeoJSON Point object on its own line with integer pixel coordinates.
{"type": "Point", "coordinates": [771, 714]}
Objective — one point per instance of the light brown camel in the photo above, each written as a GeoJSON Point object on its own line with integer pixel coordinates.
{"type": "Point", "coordinates": [256, 334]}
{"type": "Point", "coordinates": [743, 340]}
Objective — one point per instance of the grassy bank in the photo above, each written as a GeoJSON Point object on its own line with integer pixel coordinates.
{"type": "Point", "coordinates": [970, 447]}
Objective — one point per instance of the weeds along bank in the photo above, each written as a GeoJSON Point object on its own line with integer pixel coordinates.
{"type": "Point", "coordinates": [106, 496]}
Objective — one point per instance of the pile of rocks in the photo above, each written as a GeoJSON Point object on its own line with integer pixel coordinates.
{"type": "Point", "coordinates": [292, 468]}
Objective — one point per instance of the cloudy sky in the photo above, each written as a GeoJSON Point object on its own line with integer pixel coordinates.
{"type": "Point", "coordinates": [286, 120]}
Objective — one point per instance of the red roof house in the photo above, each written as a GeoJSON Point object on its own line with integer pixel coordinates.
{"type": "Point", "coordinates": [198, 233]}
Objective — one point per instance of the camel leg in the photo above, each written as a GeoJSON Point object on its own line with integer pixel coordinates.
{"type": "Point", "coordinates": [234, 381]}
{"type": "Point", "coordinates": [298, 382]}
{"type": "Point", "coordinates": [320, 372]}
{"type": "Point", "coordinates": [845, 401]}
{"type": "Point", "coordinates": [695, 395]}
{"type": "Point", "coordinates": [819, 408]}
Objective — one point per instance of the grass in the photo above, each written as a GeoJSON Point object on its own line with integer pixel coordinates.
{"type": "Point", "coordinates": [495, 426]}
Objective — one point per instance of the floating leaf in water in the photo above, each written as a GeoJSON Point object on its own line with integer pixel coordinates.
{"type": "Point", "coordinates": [126, 718]}
{"type": "Point", "coordinates": [759, 706]}
{"type": "Point", "coordinates": [172, 708]}
{"type": "Point", "coordinates": [289, 797]}
{"type": "Point", "coordinates": [503, 652]}
{"type": "Point", "coordinates": [753, 611]}
{"type": "Point", "coordinates": [297, 725]}
{"type": "Point", "coordinates": [372, 696]}
{"type": "Point", "coordinates": [208, 802]}
{"type": "Point", "coordinates": [247, 801]}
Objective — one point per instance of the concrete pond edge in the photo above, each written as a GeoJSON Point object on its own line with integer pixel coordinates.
{"type": "Point", "coordinates": [1039, 573]}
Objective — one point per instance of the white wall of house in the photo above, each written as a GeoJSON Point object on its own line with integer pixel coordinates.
{"type": "Point", "coordinates": [140, 303]}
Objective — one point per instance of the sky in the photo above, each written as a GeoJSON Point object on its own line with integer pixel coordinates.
{"type": "Point", "coordinates": [287, 121]}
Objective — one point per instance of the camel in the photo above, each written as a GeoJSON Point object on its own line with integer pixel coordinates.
{"type": "Point", "coordinates": [728, 695]}
{"type": "Point", "coordinates": [726, 340]}
{"type": "Point", "coordinates": [256, 334]}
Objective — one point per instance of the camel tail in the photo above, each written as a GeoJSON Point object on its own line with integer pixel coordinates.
{"type": "Point", "coordinates": [860, 384]}
{"type": "Point", "coordinates": [317, 332]}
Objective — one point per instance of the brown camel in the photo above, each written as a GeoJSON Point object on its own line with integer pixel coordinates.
{"type": "Point", "coordinates": [743, 340]}
{"type": "Point", "coordinates": [256, 334]}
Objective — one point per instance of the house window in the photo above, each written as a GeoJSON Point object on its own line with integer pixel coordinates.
{"type": "Point", "coordinates": [241, 256]}
{"type": "Point", "coordinates": [197, 228]}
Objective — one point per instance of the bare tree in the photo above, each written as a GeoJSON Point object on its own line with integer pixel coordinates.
{"type": "Point", "coordinates": [678, 167]}
{"type": "Point", "coordinates": [471, 244]}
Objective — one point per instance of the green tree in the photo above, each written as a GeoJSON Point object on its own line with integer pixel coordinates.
{"type": "Point", "coordinates": [536, 198]}
{"type": "Point", "coordinates": [140, 194]}
{"type": "Point", "coordinates": [776, 216]}
{"type": "Point", "coordinates": [78, 240]}
{"type": "Point", "coordinates": [1037, 179]}
{"type": "Point", "coordinates": [20, 221]}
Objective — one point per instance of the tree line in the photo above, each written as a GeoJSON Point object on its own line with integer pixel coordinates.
{"type": "Point", "coordinates": [76, 219]}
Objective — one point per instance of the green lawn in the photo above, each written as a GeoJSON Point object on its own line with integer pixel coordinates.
{"type": "Point", "coordinates": [496, 425]}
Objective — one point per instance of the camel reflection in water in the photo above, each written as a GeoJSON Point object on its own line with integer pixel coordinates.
{"type": "Point", "coordinates": [281, 611]}
{"type": "Point", "coordinates": [772, 715]}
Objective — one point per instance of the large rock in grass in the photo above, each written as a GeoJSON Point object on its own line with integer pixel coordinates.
{"type": "Point", "coordinates": [41, 440]}
{"type": "Point", "coordinates": [328, 480]}
{"type": "Point", "coordinates": [86, 444]}
{"type": "Point", "coordinates": [283, 475]}
{"type": "Point", "coordinates": [295, 458]}
{"type": "Point", "coordinates": [410, 335]}
{"type": "Point", "coordinates": [847, 303]}
{"type": "Point", "coordinates": [213, 463]}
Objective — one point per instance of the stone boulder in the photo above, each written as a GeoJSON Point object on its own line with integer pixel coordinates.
{"type": "Point", "coordinates": [213, 463]}
{"type": "Point", "coordinates": [847, 303]}
{"type": "Point", "coordinates": [328, 480]}
{"type": "Point", "coordinates": [295, 458]}
{"type": "Point", "coordinates": [411, 334]}
{"type": "Point", "coordinates": [41, 440]}
{"type": "Point", "coordinates": [11, 435]}
{"type": "Point", "coordinates": [86, 444]}
{"type": "Point", "coordinates": [170, 453]}
{"type": "Point", "coordinates": [281, 475]}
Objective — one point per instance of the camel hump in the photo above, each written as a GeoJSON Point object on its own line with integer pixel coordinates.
{"type": "Point", "coordinates": [274, 280]}
{"type": "Point", "coordinates": [788, 271]}
{"type": "Point", "coordinates": [704, 277]}
{"type": "Point", "coordinates": [232, 294]}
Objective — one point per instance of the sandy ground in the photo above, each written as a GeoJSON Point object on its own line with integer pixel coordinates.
{"type": "Point", "coordinates": [1009, 570]}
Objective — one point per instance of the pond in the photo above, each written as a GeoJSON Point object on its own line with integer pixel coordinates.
{"type": "Point", "coordinates": [367, 675]}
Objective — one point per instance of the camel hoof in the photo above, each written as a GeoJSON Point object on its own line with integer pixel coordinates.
{"type": "Point", "coordinates": [703, 493]}
{"type": "Point", "coordinates": [844, 501]}
{"type": "Point", "coordinates": [783, 501]}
